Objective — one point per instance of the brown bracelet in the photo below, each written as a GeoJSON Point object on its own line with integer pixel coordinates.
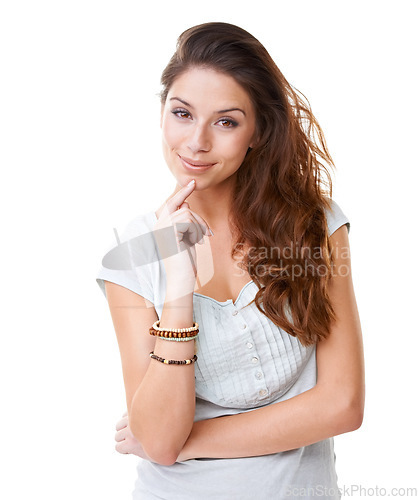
{"type": "Point", "coordinates": [173, 361]}
{"type": "Point", "coordinates": [171, 334]}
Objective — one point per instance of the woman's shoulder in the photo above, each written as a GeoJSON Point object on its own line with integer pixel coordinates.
{"type": "Point", "coordinates": [335, 217]}
{"type": "Point", "coordinates": [129, 260]}
{"type": "Point", "coordinates": [137, 225]}
{"type": "Point", "coordinates": [134, 245]}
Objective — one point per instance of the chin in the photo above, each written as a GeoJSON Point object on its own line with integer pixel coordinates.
{"type": "Point", "coordinates": [183, 179]}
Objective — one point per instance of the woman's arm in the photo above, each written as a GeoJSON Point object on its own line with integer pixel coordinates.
{"type": "Point", "coordinates": [334, 406]}
{"type": "Point", "coordinates": [161, 397]}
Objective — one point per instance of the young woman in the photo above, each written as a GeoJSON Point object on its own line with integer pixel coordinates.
{"type": "Point", "coordinates": [233, 302]}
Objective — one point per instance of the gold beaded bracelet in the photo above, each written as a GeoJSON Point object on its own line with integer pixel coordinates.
{"type": "Point", "coordinates": [173, 361]}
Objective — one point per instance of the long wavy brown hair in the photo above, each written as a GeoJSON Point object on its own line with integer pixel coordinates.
{"type": "Point", "coordinates": [282, 186]}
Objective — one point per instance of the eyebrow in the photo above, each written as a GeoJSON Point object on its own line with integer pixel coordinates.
{"type": "Point", "coordinates": [219, 112]}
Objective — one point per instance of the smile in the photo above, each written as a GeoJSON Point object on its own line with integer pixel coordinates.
{"type": "Point", "coordinates": [195, 165]}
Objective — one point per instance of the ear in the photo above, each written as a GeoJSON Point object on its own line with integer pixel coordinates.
{"type": "Point", "coordinates": [254, 141]}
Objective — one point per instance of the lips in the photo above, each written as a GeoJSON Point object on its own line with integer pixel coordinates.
{"type": "Point", "coordinates": [195, 164]}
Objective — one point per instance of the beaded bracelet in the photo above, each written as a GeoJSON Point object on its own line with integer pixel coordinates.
{"type": "Point", "coordinates": [175, 335]}
{"type": "Point", "coordinates": [173, 361]}
{"type": "Point", "coordinates": [156, 326]}
{"type": "Point", "coordinates": [180, 339]}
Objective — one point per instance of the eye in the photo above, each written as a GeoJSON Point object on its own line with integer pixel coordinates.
{"type": "Point", "coordinates": [227, 123]}
{"type": "Point", "coordinates": [181, 113]}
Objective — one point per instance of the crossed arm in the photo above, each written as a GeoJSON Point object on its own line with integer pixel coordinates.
{"type": "Point", "coordinates": [334, 406]}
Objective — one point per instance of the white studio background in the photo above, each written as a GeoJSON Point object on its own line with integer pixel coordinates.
{"type": "Point", "coordinates": [80, 155]}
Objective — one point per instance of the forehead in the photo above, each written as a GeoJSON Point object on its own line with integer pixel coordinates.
{"type": "Point", "coordinates": [204, 86]}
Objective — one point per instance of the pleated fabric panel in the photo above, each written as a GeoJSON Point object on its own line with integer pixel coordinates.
{"type": "Point", "coordinates": [244, 359]}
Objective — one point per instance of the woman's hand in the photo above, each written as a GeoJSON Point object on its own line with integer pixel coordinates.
{"type": "Point", "coordinates": [126, 442]}
{"type": "Point", "coordinates": [176, 233]}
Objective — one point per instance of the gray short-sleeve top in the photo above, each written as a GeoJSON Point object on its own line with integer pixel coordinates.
{"type": "Point", "coordinates": [244, 362]}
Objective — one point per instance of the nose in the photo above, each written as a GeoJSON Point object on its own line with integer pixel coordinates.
{"type": "Point", "coordinates": [199, 139]}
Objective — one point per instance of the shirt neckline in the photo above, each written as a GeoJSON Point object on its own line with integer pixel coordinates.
{"type": "Point", "coordinates": [228, 301]}
{"type": "Point", "coordinates": [221, 303]}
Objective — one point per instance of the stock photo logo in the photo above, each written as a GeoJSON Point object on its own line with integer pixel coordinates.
{"type": "Point", "coordinates": [154, 246]}
{"type": "Point", "coordinates": [140, 251]}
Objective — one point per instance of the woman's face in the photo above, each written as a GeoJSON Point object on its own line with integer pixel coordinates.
{"type": "Point", "coordinates": [208, 123]}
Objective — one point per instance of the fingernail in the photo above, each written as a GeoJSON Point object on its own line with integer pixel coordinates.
{"type": "Point", "coordinates": [211, 232]}
{"type": "Point", "coordinates": [191, 182]}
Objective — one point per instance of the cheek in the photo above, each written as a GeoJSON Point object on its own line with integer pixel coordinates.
{"type": "Point", "coordinates": [167, 146]}
{"type": "Point", "coordinates": [236, 148]}
{"type": "Point", "coordinates": [173, 135]}
{"type": "Point", "coordinates": [171, 142]}
{"type": "Point", "coordinates": [168, 136]}
{"type": "Point", "coordinates": [166, 151]}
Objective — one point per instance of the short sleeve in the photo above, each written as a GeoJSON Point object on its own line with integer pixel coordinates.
{"type": "Point", "coordinates": [128, 262]}
{"type": "Point", "coordinates": [336, 218]}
